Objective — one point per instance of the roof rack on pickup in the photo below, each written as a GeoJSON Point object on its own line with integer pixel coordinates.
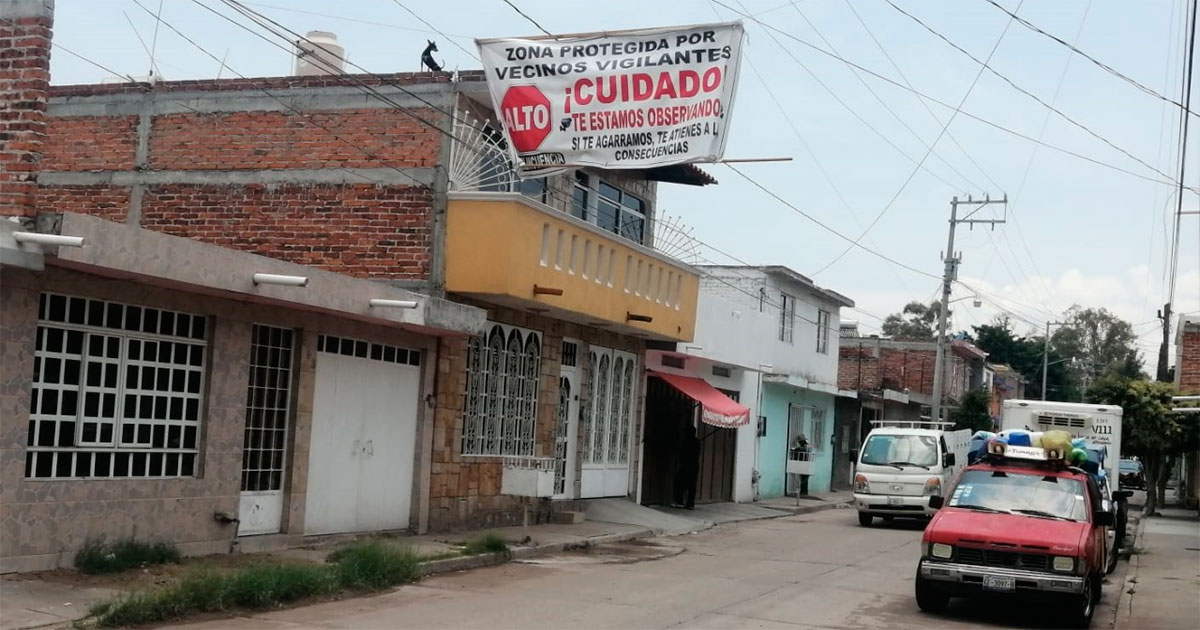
{"type": "Point", "coordinates": [913, 424]}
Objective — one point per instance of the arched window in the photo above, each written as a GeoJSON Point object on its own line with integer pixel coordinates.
{"type": "Point", "coordinates": [500, 402]}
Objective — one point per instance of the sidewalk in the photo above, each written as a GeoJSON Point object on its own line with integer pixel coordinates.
{"type": "Point", "coordinates": [674, 521]}
{"type": "Point", "coordinates": [1164, 574]}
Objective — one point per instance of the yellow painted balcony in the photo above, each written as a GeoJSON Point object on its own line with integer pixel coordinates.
{"type": "Point", "coordinates": [508, 249]}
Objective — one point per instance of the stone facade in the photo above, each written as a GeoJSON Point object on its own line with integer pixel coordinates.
{"type": "Point", "coordinates": [465, 490]}
{"type": "Point", "coordinates": [44, 521]}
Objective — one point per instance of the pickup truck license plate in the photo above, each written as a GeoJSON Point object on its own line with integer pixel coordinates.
{"type": "Point", "coordinates": [999, 583]}
{"type": "Point", "coordinates": [895, 501]}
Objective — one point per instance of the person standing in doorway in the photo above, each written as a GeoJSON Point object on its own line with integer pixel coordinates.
{"type": "Point", "coordinates": [688, 470]}
{"type": "Point", "coordinates": [801, 452]}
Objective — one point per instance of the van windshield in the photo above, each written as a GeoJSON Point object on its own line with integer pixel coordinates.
{"type": "Point", "coordinates": [899, 450]}
{"type": "Point", "coordinates": [1032, 494]}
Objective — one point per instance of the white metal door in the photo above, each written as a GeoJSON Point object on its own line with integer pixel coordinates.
{"type": "Point", "coordinates": [566, 426]}
{"type": "Point", "coordinates": [264, 448]}
{"type": "Point", "coordinates": [609, 423]}
{"type": "Point", "coordinates": [360, 468]}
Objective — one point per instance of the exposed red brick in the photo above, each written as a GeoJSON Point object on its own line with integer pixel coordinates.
{"type": "Point", "coordinates": [1188, 362]}
{"type": "Point", "coordinates": [106, 202]}
{"type": "Point", "coordinates": [366, 138]}
{"type": "Point", "coordinates": [361, 230]}
{"type": "Point", "coordinates": [90, 143]}
{"type": "Point", "coordinates": [24, 81]}
{"type": "Point", "coordinates": [259, 83]}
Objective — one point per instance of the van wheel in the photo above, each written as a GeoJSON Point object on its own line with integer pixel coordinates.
{"type": "Point", "coordinates": [1112, 558]}
{"type": "Point", "coordinates": [1083, 605]}
{"type": "Point", "coordinates": [930, 598]}
{"type": "Point", "coordinates": [864, 519]}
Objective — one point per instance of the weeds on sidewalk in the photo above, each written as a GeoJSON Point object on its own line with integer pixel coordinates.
{"type": "Point", "coordinates": [366, 566]}
{"type": "Point", "coordinates": [485, 543]}
{"type": "Point", "coordinates": [99, 556]}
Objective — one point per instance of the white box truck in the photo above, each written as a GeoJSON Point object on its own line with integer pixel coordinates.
{"type": "Point", "coordinates": [902, 463]}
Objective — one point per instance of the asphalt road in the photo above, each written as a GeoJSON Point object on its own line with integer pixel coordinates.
{"type": "Point", "coordinates": [818, 570]}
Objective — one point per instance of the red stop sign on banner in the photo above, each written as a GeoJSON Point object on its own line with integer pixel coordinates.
{"type": "Point", "coordinates": [526, 113]}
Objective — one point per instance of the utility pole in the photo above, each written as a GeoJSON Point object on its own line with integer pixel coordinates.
{"type": "Point", "coordinates": [948, 277]}
{"type": "Point", "coordinates": [1046, 357]}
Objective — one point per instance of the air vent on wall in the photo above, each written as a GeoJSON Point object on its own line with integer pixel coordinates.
{"type": "Point", "coordinates": [674, 362]}
{"type": "Point", "coordinates": [722, 371]}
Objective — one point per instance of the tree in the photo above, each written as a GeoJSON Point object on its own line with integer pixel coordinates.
{"type": "Point", "coordinates": [1024, 354]}
{"type": "Point", "coordinates": [973, 413]}
{"type": "Point", "coordinates": [1099, 343]}
{"type": "Point", "coordinates": [1149, 429]}
{"type": "Point", "coordinates": [916, 322]}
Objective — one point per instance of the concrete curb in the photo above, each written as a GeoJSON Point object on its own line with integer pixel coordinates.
{"type": "Point", "coordinates": [1124, 601]}
{"type": "Point", "coordinates": [492, 559]}
{"type": "Point", "coordinates": [809, 509]}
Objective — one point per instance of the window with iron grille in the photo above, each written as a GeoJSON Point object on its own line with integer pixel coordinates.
{"type": "Point", "coordinates": [818, 438]}
{"type": "Point", "coordinates": [117, 390]}
{"type": "Point", "coordinates": [787, 318]}
{"type": "Point", "coordinates": [268, 406]}
{"type": "Point", "coordinates": [823, 332]}
{"type": "Point", "coordinates": [500, 404]}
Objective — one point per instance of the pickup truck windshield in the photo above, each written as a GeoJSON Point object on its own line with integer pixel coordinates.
{"type": "Point", "coordinates": [1128, 465]}
{"type": "Point", "coordinates": [1021, 493]}
{"type": "Point", "coordinates": [901, 450]}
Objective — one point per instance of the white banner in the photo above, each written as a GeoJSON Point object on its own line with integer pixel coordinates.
{"type": "Point", "coordinates": [620, 100]}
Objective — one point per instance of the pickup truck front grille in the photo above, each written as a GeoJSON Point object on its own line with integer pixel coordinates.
{"type": "Point", "coordinates": [995, 558]}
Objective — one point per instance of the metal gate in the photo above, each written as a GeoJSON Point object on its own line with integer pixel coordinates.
{"type": "Point", "coordinates": [268, 415]}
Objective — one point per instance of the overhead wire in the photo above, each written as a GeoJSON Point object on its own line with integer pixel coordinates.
{"type": "Point", "coordinates": [937, 101]}
{"type": "Point", "coordinates": [1075, 49]}
{"type": "Point", "coordinates": [436, 30]}
{"type": "Point", "coordinates": [1013, 84]}
{"type": "Point", "coordinates": [358, 21]}
{"type": "Point", "coordinates": [526, 16]}
{"type": "Point", "coordinates": [958, 108]}
{"type": "Point", "coordinates": [1185, 108]}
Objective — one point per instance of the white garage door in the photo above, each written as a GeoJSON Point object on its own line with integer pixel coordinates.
{"type": "Point", "coordinates": [365, 407]}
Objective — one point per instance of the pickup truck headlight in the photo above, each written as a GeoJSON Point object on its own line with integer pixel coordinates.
{"type": "Point", "coordinates": [1064, 564]}
{"type": "Point", "coordinates": [933, 487]}
{"type": "Point", "coordinates": [860, 484]}
{"type": "Point", "coordinates": [940, 550]}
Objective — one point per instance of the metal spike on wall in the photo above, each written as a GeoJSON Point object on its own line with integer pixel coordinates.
{"type": "Point", "coordinates": [479, 157]}
{"type": "Point", "coordinates": [673, 238]}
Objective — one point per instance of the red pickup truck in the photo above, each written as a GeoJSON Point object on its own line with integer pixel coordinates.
{"type": "Point", "coordinates": [1019, 524]}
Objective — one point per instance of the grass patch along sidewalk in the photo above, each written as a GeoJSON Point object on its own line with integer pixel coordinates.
{"type": "Point", "coordinates": [359, 567]}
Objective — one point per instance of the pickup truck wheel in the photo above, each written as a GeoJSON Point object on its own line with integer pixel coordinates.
{"type": "Point", "coordinates": [864, 519]}
{"type": "Point", "coordinates": [1083, 605]}
{"type": "Point", "coordinates": [1112, 557]}
{"type": "Point", "coordinates": [930, 598]}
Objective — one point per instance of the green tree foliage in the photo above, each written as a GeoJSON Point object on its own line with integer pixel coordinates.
{"type": "Point", "coordinates": [917, 322]}
{"type": "Point", "coordinates": [972, 413]}
{"type": "Point", "coordinates": [1024, 354]}
{"type": "Point", "coordinates": [1099, 344]}
{"type": "Point", "coordinates": [1149, 429]}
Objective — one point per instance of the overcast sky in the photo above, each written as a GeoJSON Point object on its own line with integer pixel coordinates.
{"type": "Point", "coordinates": [1078, 232]}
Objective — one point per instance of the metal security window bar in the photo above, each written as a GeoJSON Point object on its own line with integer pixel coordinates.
{"type": "Point", "coordinates": [823, 332]}
{"type": "Point", "coordinates": [117, 390]}
{"type": "Point", "coordinates": [268, 406]}
{"type": "Point", "coordinates": [609, 208]}
{"type": "Point", "coordinates": [500, 404]}
{"type": "Point", "coordinates": [787, 318]}
{"type": "Point", "coordinates": [608, 419]}
{"type": "Point", "coordinates": [817, 439]}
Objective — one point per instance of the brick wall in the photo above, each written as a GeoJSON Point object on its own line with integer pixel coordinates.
{"type": "Point", "coordinates": [858, 367]}
{"type": "Point", "coordinates": [884, 367]}
{"type": "Point", "coordinates": [361, 230]}
{"type": "Point", "coordinates": [90, 143]}
{"type": "Point", "coordinates": [365, 138]}
{"type": "Point", "coordinates": [1187, 364]}
{"type": "Point", "coordinates": [107, 202]}
{"type": "Point", "coordinates": [24, 80]}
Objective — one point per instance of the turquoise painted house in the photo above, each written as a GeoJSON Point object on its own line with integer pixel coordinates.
{"type": "Point", "coordinates": [790, 412]}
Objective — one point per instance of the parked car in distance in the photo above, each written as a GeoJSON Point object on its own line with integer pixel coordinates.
{"type": "Point", "coordinates": [1132, 475]}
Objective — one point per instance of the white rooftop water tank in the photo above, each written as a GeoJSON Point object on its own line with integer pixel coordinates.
{"type": "Point", "coordinates": [319, 53]}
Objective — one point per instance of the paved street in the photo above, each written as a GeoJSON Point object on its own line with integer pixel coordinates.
{"type": "Point", "coordinates": [809, 571]}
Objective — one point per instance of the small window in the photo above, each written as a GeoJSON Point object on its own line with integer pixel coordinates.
{"type": "Point", "coordinates": [787, 318]}
{"type": "Point", "coordinates": [674, 362]}
{"type": "Point", "coordinates": [580, 196]}
{"type": "Point", "coordinates": [609, 208]}
{"type": "Point", "coordinates": [538, 189]}
{"type": "Point", "coordinates": [823, 332]}
{"type": "Point", "coordinates": [722, 371]}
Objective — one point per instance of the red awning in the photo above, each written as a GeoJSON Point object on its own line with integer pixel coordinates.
{"type": "Point", "coordinates": [719, 410]}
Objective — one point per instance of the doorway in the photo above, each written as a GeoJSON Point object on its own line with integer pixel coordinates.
{"type": "Point", "coordinates": [566, 425]}
{"type": "Point", "coordinates": [608, 423]}
{"type": "Point", "coordinates": [265, 441]}
{"type": "Point", "coordinates": [718, 448]}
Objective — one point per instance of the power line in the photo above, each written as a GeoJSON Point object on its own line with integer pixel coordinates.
{"type": "Point", "coordinates": [1022, 90]}
{"type": "Point", "coordinates": [436, 30]}
{"type": "Point", "coordinates": [358, 21]}
{"type": "Point", "coordinates": [1074, 48]}
{"type": "Point", "coordinates": [826, 227]}
{"type": "Point", "coordinates": [526, 16]}
{"type": "Point", "coordinates": [932, 99]}
{"type": "Point", "coordinates": [962, 101]}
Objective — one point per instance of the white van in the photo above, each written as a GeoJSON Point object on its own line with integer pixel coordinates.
{"type": "Point", "coordinates": [902, 463]}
